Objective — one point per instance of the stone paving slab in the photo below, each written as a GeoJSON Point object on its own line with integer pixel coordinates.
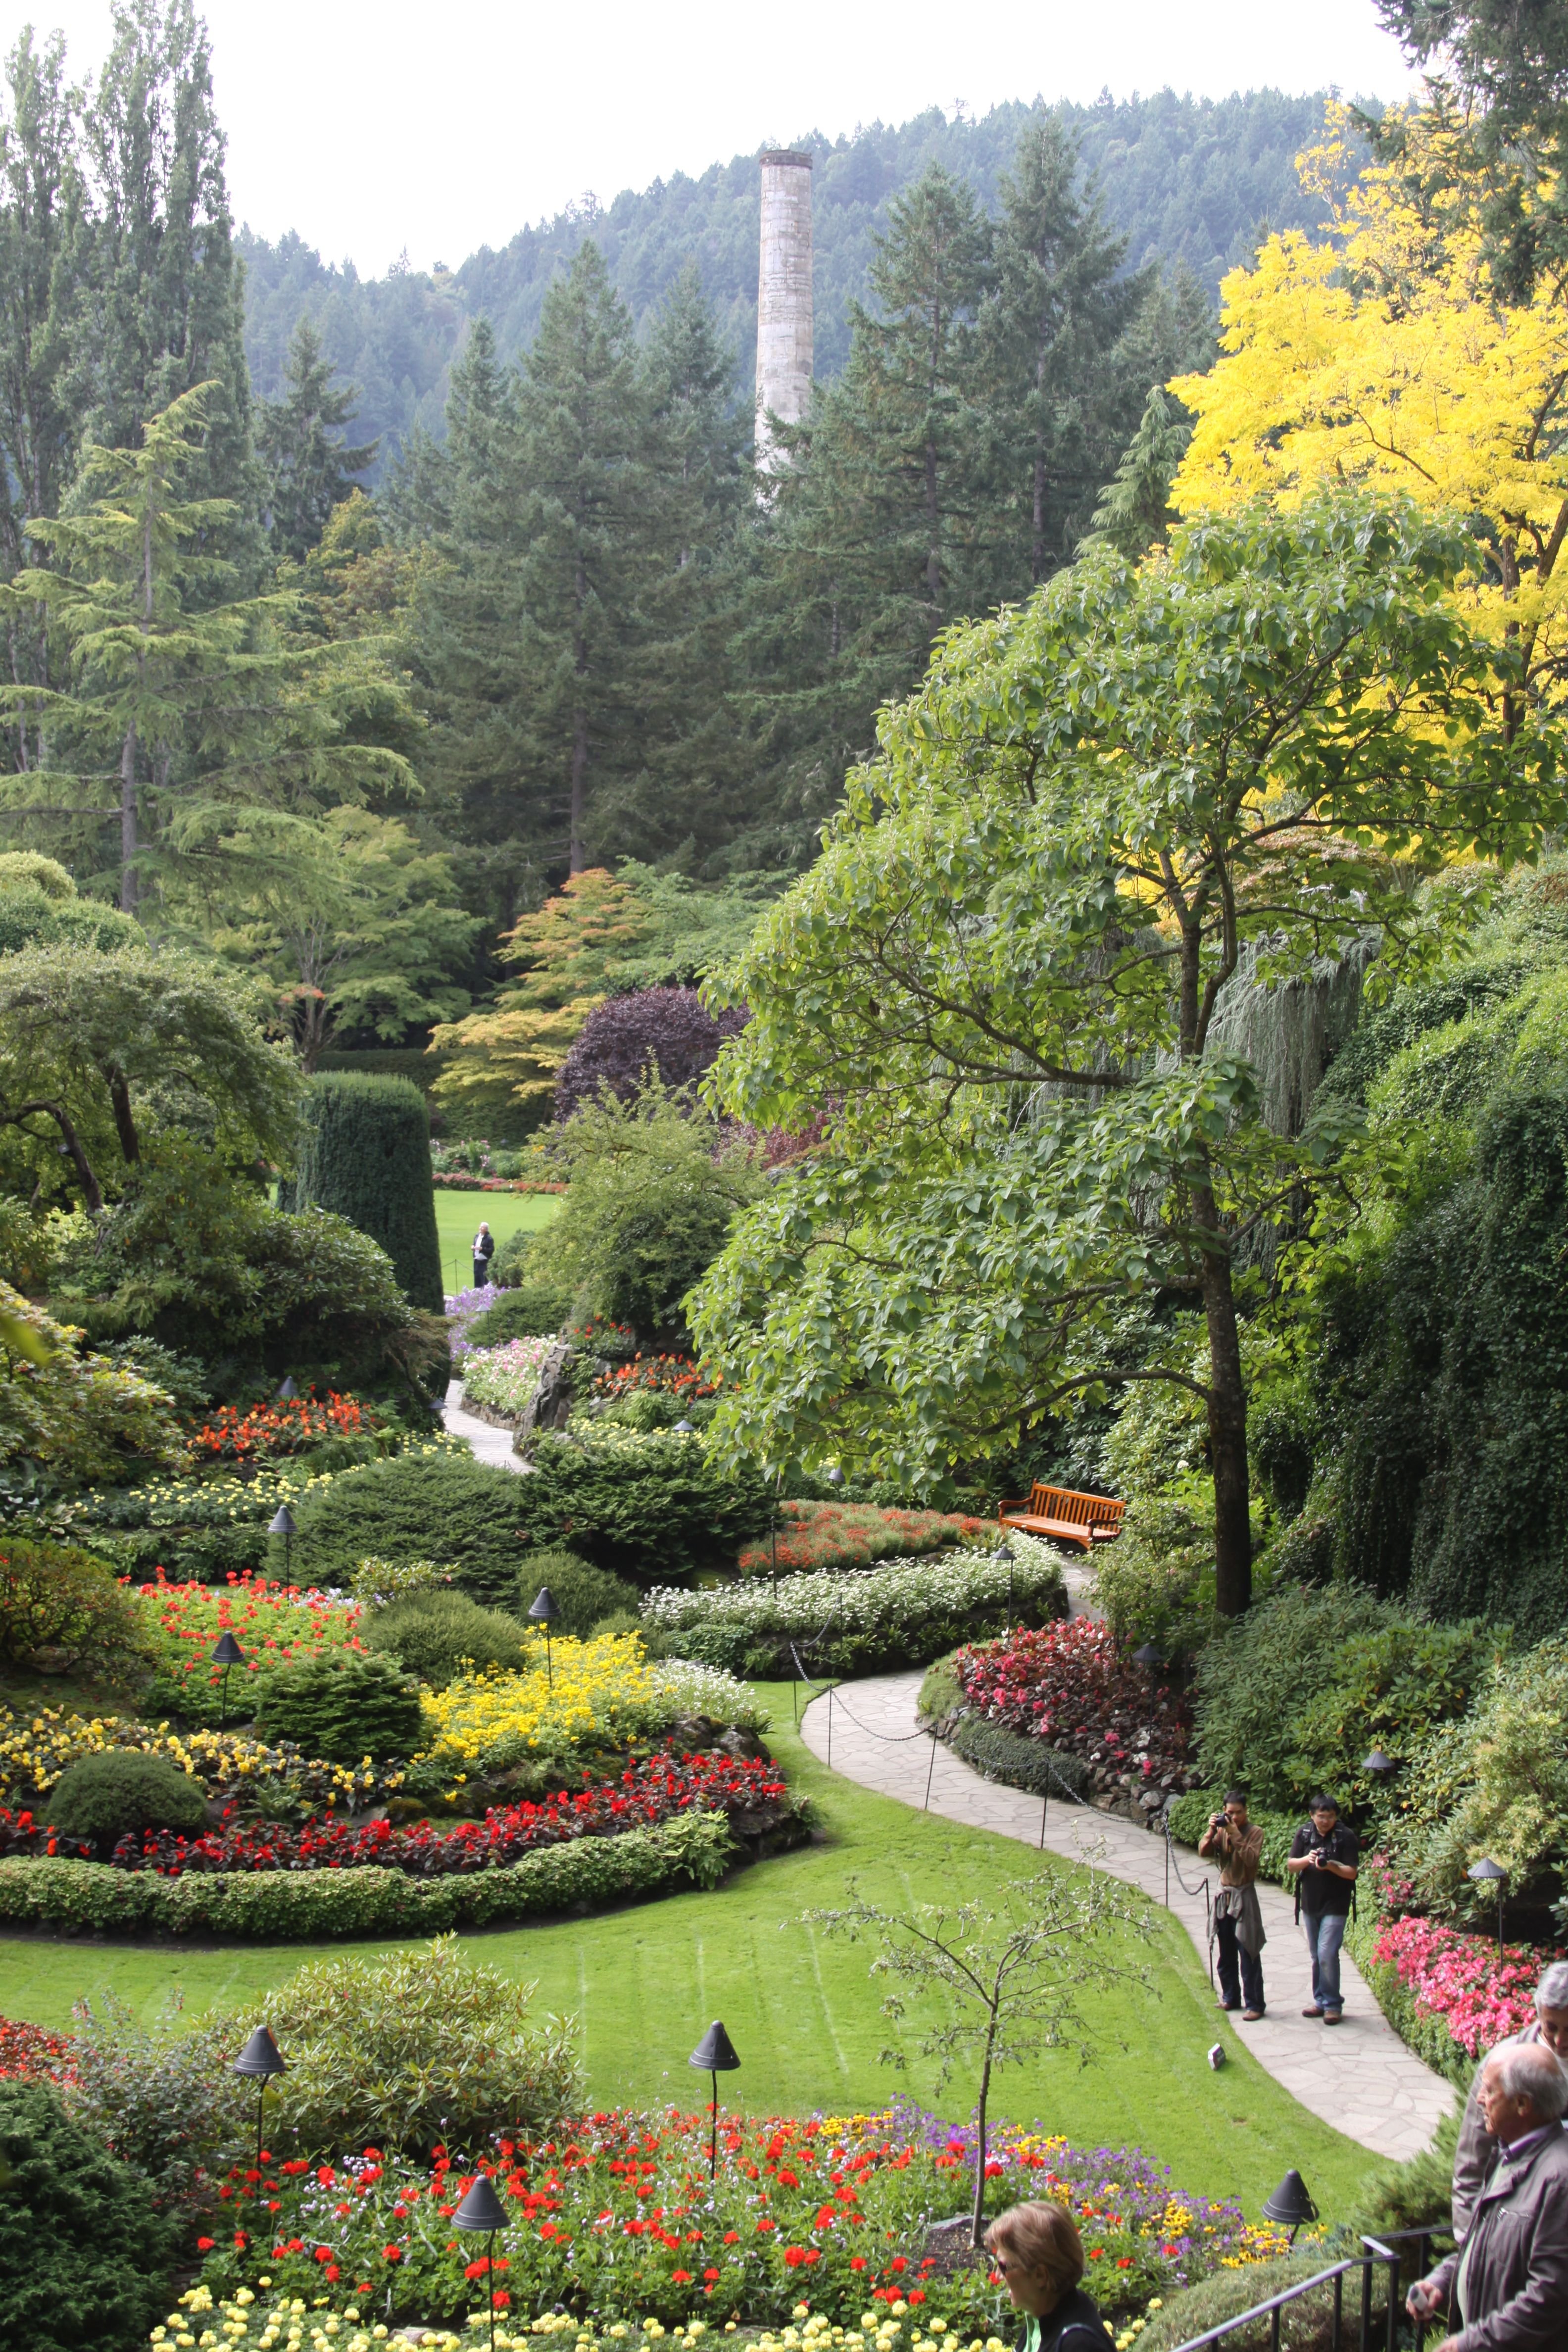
{"type": "Point", "coordinates": [488, 1443]}
{"type": "Point", "coordinates": [1358, 2076]}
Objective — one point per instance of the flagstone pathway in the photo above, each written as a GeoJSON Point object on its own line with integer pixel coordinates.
{"type": "Point", "coordinates": [488, 1443]}
{"type": "Point", "coordinates": [1358, 2076]}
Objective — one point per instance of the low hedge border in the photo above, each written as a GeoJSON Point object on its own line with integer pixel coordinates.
{"type": "Point", "coordinates": [1427, 2036]}
{"type": "Point", "coordinates": [315, 1906]}
{"type": "Point", "coordinates": [1020, 1763]}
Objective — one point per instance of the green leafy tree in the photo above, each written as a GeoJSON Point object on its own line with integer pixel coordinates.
{"type": "Point", "coordinates": [188, 703]}
{"type": "Point", "coordinates": [107, 1043]}
{"type": "Point", "coordinates": [1001, 979]}
{"type": "Point", "coordinates": [1008, 1976]}
{"type": "Point", "coordinates": [67, 1419]}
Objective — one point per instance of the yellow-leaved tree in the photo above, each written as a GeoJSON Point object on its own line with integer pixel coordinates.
{"type": "Point", "coordinates": [1385, 354]}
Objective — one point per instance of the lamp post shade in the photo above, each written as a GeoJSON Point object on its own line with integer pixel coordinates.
{"type": "Point", "coordinates": [281, 1523]}
{"type": "Point", "coordinates": [287, 1390]}
{"type": "Point", "coordinates": [685, 1429]}
{"type": "Point", "coordinates": [227, 1652]}
{"type": "Point", "coordinates": [481, 2209]}
{"type": "Point", "coordinates": [260, 2056]}
{"type": "Point", "coordinates": [835, 1476]}
{"type": "Point", "coordinates": [543, 1609]}
{"type": "Point", "coordinates": [1378, 1763]}
{"type": "Point", "coordinates": [1150, 1655]}
{"type": "Point", "coordinates": [1290, 2205]}
{"type": "Point", "coordinates": [715, 2053]}
{"type": "Point", "coordinates": [1488, 1873]}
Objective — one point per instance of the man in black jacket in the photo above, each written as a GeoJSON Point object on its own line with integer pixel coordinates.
{"type": "Point", "coordinates": [1509, 2278]}
{"type": "Point", "coordinates": [1323, 1860]}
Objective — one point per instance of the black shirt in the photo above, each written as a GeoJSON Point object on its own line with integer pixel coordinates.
{"type": "Point", "coordinates": [1322, 1891]}
{"type": "Point", "coordinates": [1075, 2325]}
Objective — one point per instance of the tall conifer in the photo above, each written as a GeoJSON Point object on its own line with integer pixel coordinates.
{"type": "Point", "coordinates": [310, 467]}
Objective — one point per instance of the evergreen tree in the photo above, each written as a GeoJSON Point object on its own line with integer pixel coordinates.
{"type": "Point", "coordinates": [1135, 509]}
{"type": "Point", "coordinates": [707, 435]}
{"type": "Point", "coordinates": [1057, 405]}
{"type": "Point", "coordinates": [310, 467]}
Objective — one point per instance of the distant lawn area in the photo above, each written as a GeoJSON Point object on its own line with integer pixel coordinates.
{"type": "Point", "coordinates": [458, 1216]}
{"type": "Point", "coordinates": [802, 2010]}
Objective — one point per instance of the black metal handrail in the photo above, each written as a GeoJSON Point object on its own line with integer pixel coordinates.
{"type": "Point", "coordinates": [1376, 2251]}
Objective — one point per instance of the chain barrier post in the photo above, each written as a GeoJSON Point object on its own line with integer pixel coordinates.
{"type": "Point", "coordinates": [930, 1774]}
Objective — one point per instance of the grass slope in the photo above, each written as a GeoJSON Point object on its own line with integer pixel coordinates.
{"type": "Point", "coordinates": [458, 1216]}
{"type": "Point", "coordinates": [802, 2010]}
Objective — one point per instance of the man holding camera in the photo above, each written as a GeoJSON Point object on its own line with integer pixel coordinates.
{"type": "Point", "coordinates": [1323, 1860]}
{"type": "Point", "coordinates": [1237, 1844]}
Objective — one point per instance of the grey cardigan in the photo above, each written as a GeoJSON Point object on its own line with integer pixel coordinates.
{"type": "Point", "coordinates": [1516, 2280]}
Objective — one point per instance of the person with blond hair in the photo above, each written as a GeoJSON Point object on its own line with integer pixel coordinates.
{"type": "Point", "coordinates": [1037, 2250]}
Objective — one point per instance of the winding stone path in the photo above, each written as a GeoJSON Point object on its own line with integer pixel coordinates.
{"type": "Point", "coordinates": [488, 1443]}
{"type": "Point", "coordinates": [1358, 2076]}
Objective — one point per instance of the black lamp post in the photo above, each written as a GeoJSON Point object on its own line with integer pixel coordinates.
{"type": "Point", "coordinates": [835, 1476]}
{"type": "Point", "coordinates": [282, 1524]}
{"type": "Point", "coordinates": [262, 2058]}
{"type": "Point", "coordinates": [1290, 2205]}
{"type": "Point", "coordinates": [1488, 1873]}
{"type": "Point", "coordinates": [482, 2210]}
{"type": "Point", "coordinates": [287, 1390]}
{"type": "Point", "coordinates": [716, 2055]}
{"type": "Point", "coordinates": [225, 1652]}
{"type": "Point", "coordinates": [685, 1429]}
{"type": "Point", "coordinates": [545, 1613]}
{"type": "Point", "coordinates": [1151, 1656]}
{"type": "Point", "coordinates": [1003, 1557]}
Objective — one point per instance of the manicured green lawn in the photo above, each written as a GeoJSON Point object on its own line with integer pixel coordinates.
{"type": "Point", "coordinates": [803, 2012]}
{"type": "Point", "coordinates": [458, 1216]}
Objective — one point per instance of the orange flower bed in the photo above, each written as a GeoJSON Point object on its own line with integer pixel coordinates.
{"type": "Point", "coordinates": [230, 1435]}
{"type": "Point", "coordinates": [853, 1535]}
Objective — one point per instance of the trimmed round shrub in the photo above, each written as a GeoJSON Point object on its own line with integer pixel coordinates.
{"type": "Point", "coordinates": [84, 2254]}
{"type": "Point", "coordinates": [342, 1705]}
{"type": "Point", "coordinates": [121, 1791]}
{"type": "Point", "coordinates": [467, 1513]}
{"type": "Point", "coordinates": [434, 1632]}
{"type": "Point", "coordinates": [530, 1313]}
{"type": "Point", "coordinates": [583, 1594]}
{"type": "Point", "coordinates": [649, 1505]}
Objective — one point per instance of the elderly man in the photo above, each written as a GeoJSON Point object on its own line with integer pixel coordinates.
{"type": "Point", "coordinates": [1476, 2148]}
{"type": "Point", "coordinates": [1506, 2286]}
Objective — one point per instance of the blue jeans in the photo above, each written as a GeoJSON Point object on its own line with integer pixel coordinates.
{"type": "Point", "coordinates": [1325, 1934]}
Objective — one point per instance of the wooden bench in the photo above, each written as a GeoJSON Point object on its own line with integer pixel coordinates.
{"type": "Point", "coordinates": [1065, 1517]}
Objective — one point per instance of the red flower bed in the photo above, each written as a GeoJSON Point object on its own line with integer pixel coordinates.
{"type": "Point", "coordinates": [673, 1376]}
{"type": "Point", "coordinates": [30, 2054]}
{"type": "Point", "coordinates": [229, 1435]}
{"type": "Point", "coordinates": [270, 1622]}
{"type": "Point", "coordinates": [644, 1794]}
{"type": "Point", "coordinates": [1070, 1685]}
{"type": "Point", "coordinates": [1459, 1978]}
{"type": "Point", "coordinates": [853, 1535]}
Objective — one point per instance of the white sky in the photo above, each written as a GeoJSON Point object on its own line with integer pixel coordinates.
{"type": "Point", "coordinates": [372, 125]}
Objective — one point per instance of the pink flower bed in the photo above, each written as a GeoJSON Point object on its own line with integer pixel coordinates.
{"type": "Point", "coordinates": [1458, 1980]}
{"type": "Point", "coordinates": [1070, 1685]}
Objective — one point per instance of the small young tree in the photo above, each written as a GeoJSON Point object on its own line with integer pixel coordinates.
{"type": "Point", "coordinates": [1009, 1976]}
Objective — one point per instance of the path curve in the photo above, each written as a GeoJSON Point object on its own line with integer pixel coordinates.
{"type": "Point", "coordinates": [1358, 2076]}
{"type": "Point", "coordinates": [488, 1443]}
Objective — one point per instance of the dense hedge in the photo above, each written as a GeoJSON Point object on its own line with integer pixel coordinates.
{"type": "Point", "coordinates": [365, 1154]}
{"type": "Point", "coordinates": [84, 2254]}
{"type": "Point", "coordinates": [317, 1906]}
{"type": "Point", "coordinates": [1021, 1763]}
{"type": "Point", "coordinates": [403, 1509]}
{"type": "Point", "coordinates": [646, 1506]}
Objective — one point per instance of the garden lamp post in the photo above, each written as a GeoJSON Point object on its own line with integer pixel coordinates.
{"type": "Point", "coordinates": [1379, 1765]}
{"type": "Point", "coordinates": [545, 1613]}
{"type": "Point", "coordinates": [685, 1429]}
{"type": "Point", "coordinates": [282, 1524]}
{"type": "Point", "coordinates": [482, 2210]}
{"type": "Point", "coordinates": [835, 1476]}
{"type": "Point", "coordinates": [1151, 1656]}
{"type": "Point", "coordinates": [261, 2059]}
{"type": "Point", "coordinates": [225, 1652]}
{"type": "Point", "coordinates": [1290, 2205]}
{"type": "Point", "coordinates": [716, 2055]}
{"type": "Point", "coordinates": [1003, 1557]}
{"type": "Point", "coordinates": [1488, 1873]}
{"type": "Point", "coordinates": [287, 1390]}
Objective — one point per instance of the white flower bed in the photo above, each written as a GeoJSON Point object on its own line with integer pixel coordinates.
{"type": "Point", "coordinates": [504, 1379]}
{"type": "Point", "coordinates": [694, 1689]}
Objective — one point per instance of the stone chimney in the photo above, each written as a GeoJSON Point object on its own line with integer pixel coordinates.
{"type": "Point", "coordinates": [784, 293]}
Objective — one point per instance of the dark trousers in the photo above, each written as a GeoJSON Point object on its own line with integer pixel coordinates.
{"type": "Point", "coordinates": [481, 1272]}
{"type": "Point", "coordinates": [1231, 1957]}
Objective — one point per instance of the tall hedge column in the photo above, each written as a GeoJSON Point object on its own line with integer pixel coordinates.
{"type": "Point", "coordinates": [365, 1153]}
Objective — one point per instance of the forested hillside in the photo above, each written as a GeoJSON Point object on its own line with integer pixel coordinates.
{"type": "Point", "coordinates": [1190, 182]}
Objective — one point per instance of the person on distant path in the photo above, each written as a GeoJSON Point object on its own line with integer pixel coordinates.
{"type": "Point", "coordinates": [1476, 2151]}
{"type": "Point", "coordinates": [1237, 1844]}
{"type": "Point", "coordinates": [1509, 2278]}
{"type": "Point", "coordinates": [484, 1250]}
{"type": "Point", "coordinates": [1039, 2252]}
{"type": "Point", "coordinates": [1323, 1860]}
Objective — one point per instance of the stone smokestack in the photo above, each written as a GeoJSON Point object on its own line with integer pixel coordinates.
{"type": "Point", "coordinates": [784, 293]}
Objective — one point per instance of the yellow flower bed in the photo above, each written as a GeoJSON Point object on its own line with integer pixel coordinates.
{"type": "Point", "coordinates": [597, 1692]}
{"type": "Point", "coordinates": [35, 1752]}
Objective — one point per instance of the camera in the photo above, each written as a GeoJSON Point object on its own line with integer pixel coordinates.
{"type": "Point", "coordinates": [1319, 1857]}
{"type": "Point", "coordinates": [1217, 1822]}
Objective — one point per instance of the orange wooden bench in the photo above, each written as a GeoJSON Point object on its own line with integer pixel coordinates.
{"type": "Point", "coordinates": [1082, 1520]}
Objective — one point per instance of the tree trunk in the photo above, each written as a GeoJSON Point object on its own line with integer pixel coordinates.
{"type": "Point", "coordinates": [125, 1122]}
{"type": "Point", "coordinates": [128, 822]}
{"type": "Point", "coordinates": [977, 2223]}
{"type": "Point", "coordinates": [91, 1194]}
{"type": "Point", "coordinates": [1227, 1421]}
